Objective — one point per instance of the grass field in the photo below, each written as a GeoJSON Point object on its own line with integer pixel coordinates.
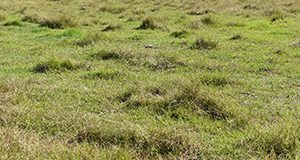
{"type": "Point", "coordinates": [138, 79]}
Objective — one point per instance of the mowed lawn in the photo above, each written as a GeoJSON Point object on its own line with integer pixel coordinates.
{"type": "Point", "coordinates": [138, 79]}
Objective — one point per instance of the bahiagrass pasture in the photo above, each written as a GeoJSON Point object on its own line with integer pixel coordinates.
{"type": "Point", "coordinates": [137, 79]}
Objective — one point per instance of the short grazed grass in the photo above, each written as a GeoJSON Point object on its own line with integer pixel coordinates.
{"type": "Point", "coordinates": [88, 79]}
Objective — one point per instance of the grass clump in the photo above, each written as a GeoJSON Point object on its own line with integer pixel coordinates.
{"type": "Point", "coordinates": [216, 80]}
{"type": "Point", "coordinates": [208, 21]}
{"type": "Point", "coordinates": [275, 15]}
{"type": "Point", "coordinates": [236, 37]}
{"type": "Point", "coordinates": [13, 23]}
{"type": "Point", "coordinates": [31, 19]}
{"type": "Point", "coordinates": [295, 43]}
{"type": "Point", "coordinates": [162, 63]}
{"type": "Point", "coordinates": [59, 22]}
{"type": "Point", "coordinates": [55, 65]}
{"type": "Point", "coordinates": [111, 27]}
{"type": "Point", "coordinates": [105, 55]}
{"type": "Point", "coordinates": [89, 39]}
{"type": "Point", "coordinates": [4, 90]}
{"type": "Point", "coordinates": [198, 13]}
{"type": "Point", "coordinates": [203, 102]}
{"type": "Point", "coordinates": [112, 9]}
{"type": "Point", "coordinates": [187, 99]}
{"type": "Point", "coordinates": [125, 96]}
{"type": "Point", "coordinates": [2, 16]}
{"type": "Point", "coordinates": [110, 55]}
{"type": "Point", "coordinates": [179, 34]}
{"type": "Point", "coordinates": [148, 23]}
{"type": "Point", "coordinates": [152, 144]}
{"type": "Point", "coordinates": [204, 44]}
{"type": "Point", "coordinates": [105, 75]}
{"type": "Point", "coordinates": [278, 142]}
{"type": "Point", "coordinates": [250, 7]}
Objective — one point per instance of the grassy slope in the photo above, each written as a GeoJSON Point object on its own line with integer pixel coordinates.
{"type": "Point", "coordinates": [79, 92]}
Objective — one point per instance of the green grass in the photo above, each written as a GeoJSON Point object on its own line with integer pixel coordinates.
{"type": "Point", "coordinates": [87, 79]}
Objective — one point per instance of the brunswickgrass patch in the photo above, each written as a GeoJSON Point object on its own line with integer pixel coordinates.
{"type": "Point", "coordinates": [159, 63]}
{"type": "Point", "coordinates": [208, 20]}
{"type": "Point", "coordinates": [151, 144]}
{"type": "Point", "coordinates": [149, 23]}
{"type": "Point", "coordinates": [279, 141]}
{"type": "Point", "coordinates": [4, 90]}
{"type": "Point", "coordinates": [153, 62]}
{"type": "Point", "coordinates": [295, 44]}
{"type": "Point", "coordinates": [103, 74]}
{"type": "Point", "coordinates": [57, 22]}
{"type": "Point", "coordinates": [199, 13]}
{"type": "Point", "coordinates": [204, 44]}
{"type": "Point", "coordinates": [112, 27]}
{"type": "Point", "coordinates": [110, 55]}
{"type": "Point", "coordinates": [179, 34]}
{"type": "Point", "coordinates": [89, 39]}
{"type": "Point", "coordinates": [13, 23]}
{"type": "Point", "coordinates": [275, 15]}
{"type": "Point", "coordinates": [216, 80]}
{"type": "Point", "coordinates": [55, 65]}
{"type": "Point", "coordinates": [2, 17]}
{"type": "Point", "coordinates": [52, 22]}
{"type": "Point", "coordinates": [236, 37]}
{"type": "Point", "coordinates": [33, 18]}
{"type": "Point", "coordinates": [187, 98]}
{"type": "Point", "coordinates": [149, 95]}
{"type": "Point", "coordinates": [112, 9]}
